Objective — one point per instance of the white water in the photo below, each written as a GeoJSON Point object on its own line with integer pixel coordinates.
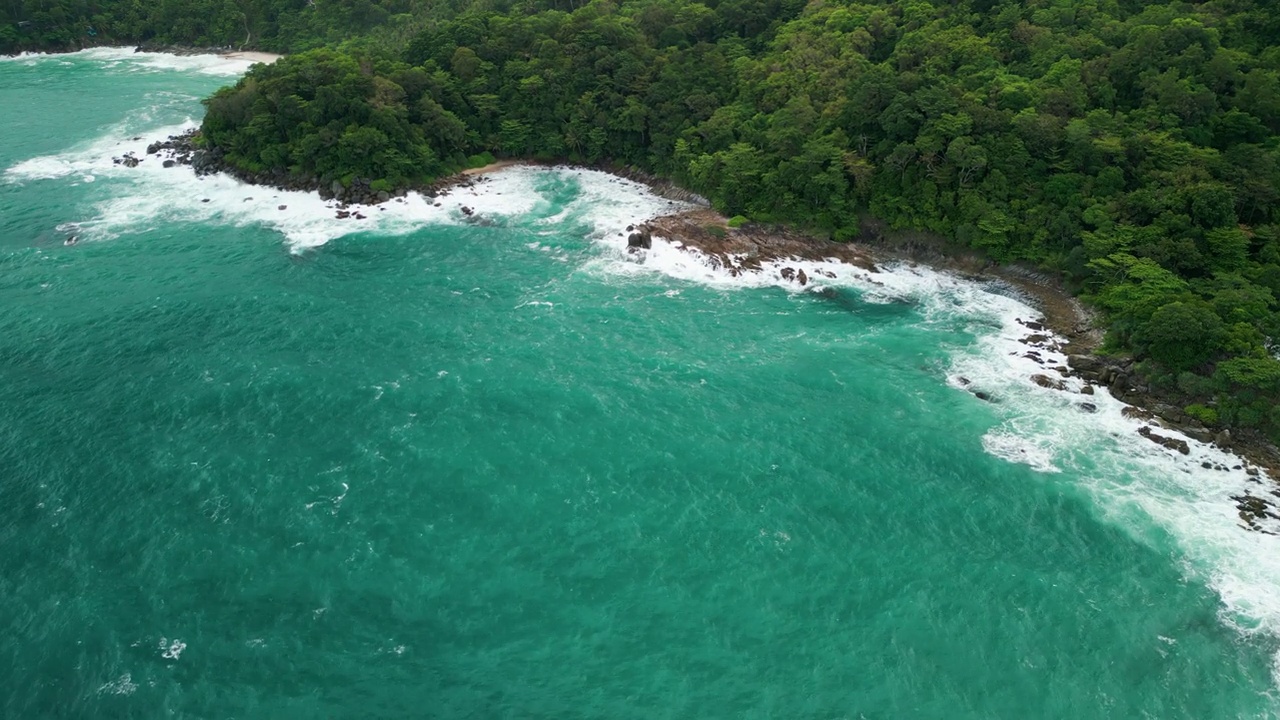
{"type": "Point", "coordinates": [126, 59]}
{"type": "Point", "coordinates": [1134, 482]}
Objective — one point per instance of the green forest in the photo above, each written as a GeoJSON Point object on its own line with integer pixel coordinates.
{"type": "Point", "coordinates": [1130, 147]}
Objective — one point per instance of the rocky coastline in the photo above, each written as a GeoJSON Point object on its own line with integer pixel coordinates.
{"type": "Point", "coordinates": [149, 46]}
{"type": "Point", "coordinates": [1068, 326]}
{"type": "Point", "coordinates": [186, 149]}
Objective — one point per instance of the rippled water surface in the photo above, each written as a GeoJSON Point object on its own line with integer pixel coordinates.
{"type": "Point", "coordinates": [263, 463]}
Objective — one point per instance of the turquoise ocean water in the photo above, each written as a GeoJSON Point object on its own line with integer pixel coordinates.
{"type": "Point", "coordinates": [262, 463]}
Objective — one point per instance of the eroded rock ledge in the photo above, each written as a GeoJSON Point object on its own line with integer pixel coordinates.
{"type": "Point", "coordinates": [745, 249]}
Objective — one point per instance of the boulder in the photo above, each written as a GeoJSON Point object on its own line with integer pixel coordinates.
{"type": "Point", "coordinates": [1135, 413]}
{"type": "Point", "coordinates": [1168, 442]}
{"type": "Point", "coordinates": [1084, 363]}
{"type": "Point", "coordinates": [641, 238]}
{"type": "Point", "coordinates": [1089, 407]}
{"type": "Point", "coordinates": [1045, 381]}
{"type": "Point", "coordinates": [1204, 435]}
{"type": "Point", "coordinates": [1087, 389]}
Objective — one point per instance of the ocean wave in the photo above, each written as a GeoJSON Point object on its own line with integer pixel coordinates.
{"type": "Point", "coordinates": [1131, 480]}
{"type": "Point", "coordinates": [126, 59]}
{"type": "Point", "coordinates": [149, 194]}
{"type": "Point", "coordinates": [1056, 430]}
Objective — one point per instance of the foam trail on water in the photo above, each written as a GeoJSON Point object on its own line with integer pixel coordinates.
{"type": "Point", "coordinates": [150, 195]}
{"type": "Point", "coordinates": [1133, 481]}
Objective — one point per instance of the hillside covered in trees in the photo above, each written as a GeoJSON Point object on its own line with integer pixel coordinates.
{"type": "Point", "coordinates": [1130, 146]}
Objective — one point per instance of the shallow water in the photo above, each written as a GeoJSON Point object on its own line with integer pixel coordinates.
{"type": "Point", "coordinates": [267, 463]}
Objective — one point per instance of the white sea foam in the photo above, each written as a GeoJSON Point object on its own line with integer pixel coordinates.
{"type": "Point", "coordinates": [171, 650]}
{"type": "Point", "coordinates": [123, 685]}
{"type": "Point", "coordinates": [150, 195]}
{"type": "Point", "coordinates": [1132, 480]}
{"type": "Point", "coordinates": [125, 59]}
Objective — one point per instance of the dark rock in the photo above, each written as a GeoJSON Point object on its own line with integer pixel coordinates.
{"type": "Point", "coordinates": [1084, 363]}
{"type": "Point", "coordinates": [1198, 433]}
{"type": "Point", "coordinates": [788, 273]}
{"type": "Point", "coordinates": [383, 196]}
{"type": "Point", "coordinates": [641, 238]}
{"type": "Point", "coordinates": [1031, 325]}
{"type": "Point", "coordinates": [1168, 442]}
{"type": "Point", "coordinates": [963, 380]}
{"type": "Point", "coordinates": [467, 211]}
{"type": "Point", "coordinates": [982, 396]}
{"type": "Point", "coordinates": [1035, 339]}
{"type": "Point", "coordinates": [1254, 507]}
{"type": "Point", "coordinates": [802, 278]}
{"type": "Point", "coordinates": [1086, 390]}
{"type": "Point", "coordinates": [1223, 439]}
{"type": "Point", "coordinates": [169, 163]}
{"type": "Point", "coordinates": [1136, 413]}
{"type": "Point", "coordinates": [1045, 381]}
{"type": "Point", "coordinates": [1089, 407]}
{"type": "Point", "coordinates": [282, 207]}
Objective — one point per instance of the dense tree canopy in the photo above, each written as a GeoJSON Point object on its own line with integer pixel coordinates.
{"type": "Point", "coordinates": [1132, 146]}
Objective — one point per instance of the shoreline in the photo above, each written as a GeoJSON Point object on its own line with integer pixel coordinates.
{"type": "Point", "coordinates": [226, 53]}
{"type": "Point", "coordinates": [1067, 325]}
